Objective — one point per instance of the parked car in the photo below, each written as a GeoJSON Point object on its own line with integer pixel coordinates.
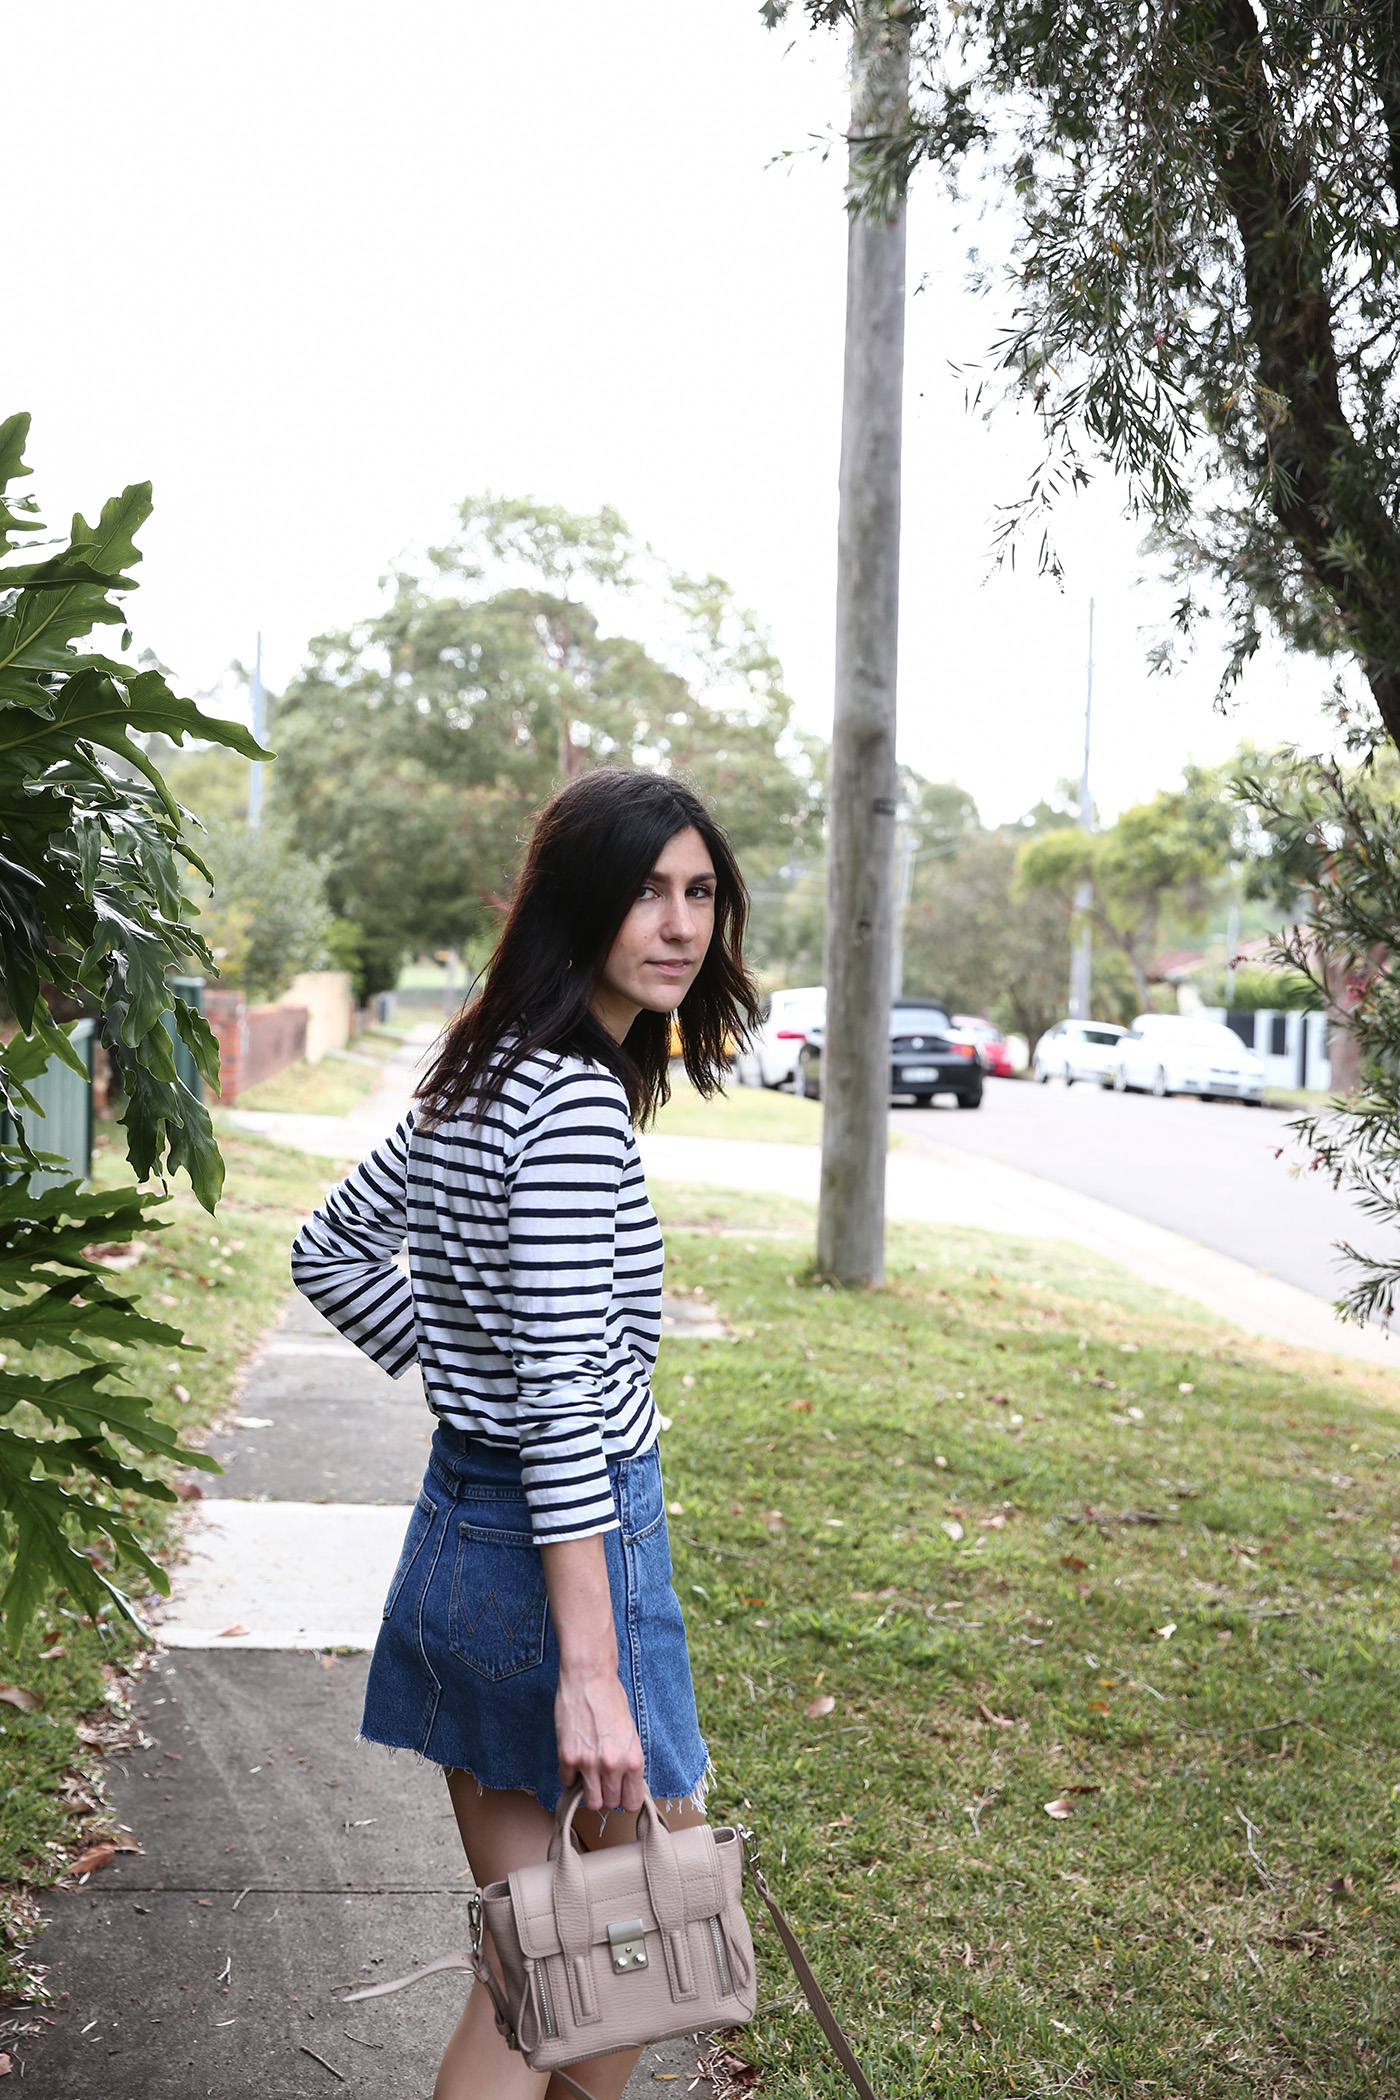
{"type": "Point", "coordinates": [927, 1057]}
{"type": "Point", "coordinates": [1078, 1050]}
{"type": "Point", "coordinates": [1178, 1054]}
{"type": "Point", "coordinates": [771, 1058]}
{"type": "Point", "coordinates": [992, 1046]}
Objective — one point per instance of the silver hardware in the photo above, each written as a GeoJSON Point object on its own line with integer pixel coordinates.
{"type": "Point", "coordinates": [629, 1947]}
{"type": "Point", "coordinates": [474, 1920]}
{"type": "Point", "coordinates": [726, 1981]}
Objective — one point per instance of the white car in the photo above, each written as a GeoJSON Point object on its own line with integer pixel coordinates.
{"type": "Point", "coordinates": [1078, 1050]}
{"type": "Point", "coordinates": [771, 1058]}
{"type": "Point", "coordinates": [1178, 1054]}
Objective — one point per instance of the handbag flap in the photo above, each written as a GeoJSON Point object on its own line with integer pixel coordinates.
{"type": "Point", "coordinates": [708, 1860]}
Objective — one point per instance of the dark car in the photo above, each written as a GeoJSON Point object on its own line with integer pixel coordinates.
{"type": "Point", "coordinates": [928, 1056]}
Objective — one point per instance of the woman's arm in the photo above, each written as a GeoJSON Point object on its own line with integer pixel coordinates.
{"type": "Point", "coordinates": [598, 1740]}
{"type": "Point", "coordinates": [343, 1259]}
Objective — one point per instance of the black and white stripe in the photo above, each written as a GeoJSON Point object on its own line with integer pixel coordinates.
{"type": "Point", "coordinates": [532, 1301]}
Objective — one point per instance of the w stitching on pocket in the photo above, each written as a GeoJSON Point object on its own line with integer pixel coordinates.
{"type": "Point", "coordinates": [419, 1525]}
{"type": "Point", "coordinates": [497, 1635]}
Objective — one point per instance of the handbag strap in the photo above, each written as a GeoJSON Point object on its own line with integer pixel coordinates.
{"type": "Point", "coordinates": [802, 1969]}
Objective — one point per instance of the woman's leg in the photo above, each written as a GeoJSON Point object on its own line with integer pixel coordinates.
{"type": "Point", "coordinates": [501, 1831]}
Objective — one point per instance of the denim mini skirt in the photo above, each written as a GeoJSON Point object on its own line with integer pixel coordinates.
{"type": "Point", "coordinates": [466, 1663]}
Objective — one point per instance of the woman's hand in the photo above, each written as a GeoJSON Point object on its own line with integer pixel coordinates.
{"type": "Point", "coordinates": [598, 1740]}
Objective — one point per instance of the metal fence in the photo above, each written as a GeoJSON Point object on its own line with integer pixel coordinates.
{"type": "Point", "coordinates": [66, 1124]}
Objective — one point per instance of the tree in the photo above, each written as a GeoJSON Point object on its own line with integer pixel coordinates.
{"type": "Point", "coordinates": [414, 749]}
{"type": "Point", "coordinates": [1205, 279]}
{"type": "Point", "coordinates": [863, 798]}
{"type": "Point", "coordinates": [91, 918]}
{"type": "Point", "coordinates": [1336, 827]}
{"type": "Point", "coordinates": [972, 943]}
{"type": "Point", "coordinates": [1159, 866]}
{"type": "Point", "coordinates": [265, 915]}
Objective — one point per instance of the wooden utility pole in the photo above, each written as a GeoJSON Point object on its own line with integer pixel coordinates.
{"type": "Point", "coordinates": [863, 788]}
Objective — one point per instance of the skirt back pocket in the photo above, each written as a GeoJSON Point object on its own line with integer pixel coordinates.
{"type": "Point", "coordinates": [496, 1618]}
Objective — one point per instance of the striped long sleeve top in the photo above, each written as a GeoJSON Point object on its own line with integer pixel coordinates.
{"type": "Point", "coordinates": [532, 1299]}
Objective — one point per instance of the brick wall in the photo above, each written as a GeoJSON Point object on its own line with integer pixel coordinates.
{"type": "Point", "coordinates": [254, 1041]}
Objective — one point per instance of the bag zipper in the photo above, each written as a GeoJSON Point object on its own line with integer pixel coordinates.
{"type": "Point", "coordinates": [547, 2020]}
{"type": "Point", "coordinates": [721, 1959]}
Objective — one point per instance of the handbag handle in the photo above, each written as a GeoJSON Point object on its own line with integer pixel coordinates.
{"type": "Point", "coordinates": [572, 1910]}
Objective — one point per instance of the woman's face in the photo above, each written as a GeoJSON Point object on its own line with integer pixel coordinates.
{"type": "Point", "coordinates": [662, 942]}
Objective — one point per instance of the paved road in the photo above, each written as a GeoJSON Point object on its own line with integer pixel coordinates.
{"type": "Point", "coordinates": [1205, 1169]}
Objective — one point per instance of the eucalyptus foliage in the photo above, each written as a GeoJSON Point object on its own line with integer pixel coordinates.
{"type": "Point", "coordinates": [1335, 828]}
{"type": "Point", "coordinates": [91, 917]}
{"type": "Point", "coordinates": [1202, 201]}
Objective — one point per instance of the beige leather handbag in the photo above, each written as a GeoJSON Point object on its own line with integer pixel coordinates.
{"type": "Point", "coordinates": [624, 1946]}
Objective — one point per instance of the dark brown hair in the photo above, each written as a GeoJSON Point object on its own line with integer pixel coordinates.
{"type": "Point", "coordinates": [593, 847]}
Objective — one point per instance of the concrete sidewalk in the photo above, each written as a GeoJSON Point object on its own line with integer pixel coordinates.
{"type": "Point", "coordinates": [283, 1862]}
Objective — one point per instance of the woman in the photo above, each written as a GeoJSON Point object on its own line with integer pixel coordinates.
{"type": "Point", "coordinates": [531, 1634]}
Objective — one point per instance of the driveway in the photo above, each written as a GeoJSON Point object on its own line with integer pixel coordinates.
{"type": "Point", "coordinates": [1208, 1170]}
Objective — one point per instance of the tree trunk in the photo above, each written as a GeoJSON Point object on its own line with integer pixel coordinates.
{"type": "Point", "coordinates": [863, 788]}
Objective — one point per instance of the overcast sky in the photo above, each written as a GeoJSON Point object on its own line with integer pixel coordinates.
{"type": "Point", "coordinates": [318, 271]}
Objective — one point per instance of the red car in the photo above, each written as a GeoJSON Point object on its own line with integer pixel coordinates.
{"type": "Point", "coordinates": [991, 1044]}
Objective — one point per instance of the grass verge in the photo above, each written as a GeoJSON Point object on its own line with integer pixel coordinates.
{"type": "Point", "coordinates": [1046, 1632]}
{"type": "Point", "coordinates": [222, 1280]}
{"type": "Point", "coordinates": [330, 1088]}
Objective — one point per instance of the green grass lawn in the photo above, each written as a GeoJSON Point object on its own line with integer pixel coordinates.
{"type": "Point", "coordinates": [223, 1282]}
{"type": "Point", "coordinates": [740, 1112]}
{"type": "Point", "coordinates": [1016, 1531]}
{"type": "Point", "coordinates": [329, 1088]}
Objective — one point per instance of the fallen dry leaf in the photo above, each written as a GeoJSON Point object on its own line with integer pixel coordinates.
{"type": "Point", "coordinates": [1099, 1706]}
{"type": "Point", "coordinates": [993, 1720]}
{"type": "Point", "coordinates": [996, 1523]}
{"type": "Point", "coordinates": [1164, 1633]}
{"type": "Point", "coordinates": [802, 1407]}
{"type": "Point", "coordinates": [1342, 1886]}
{"type": "Point", "coordinates": [843, 1821]}
{"type": "Point", "coordinates": [1072, 1560]}
{"type": "Point", "coordinates": [1058, 1809]}
{"type": "Point", "coordinates": [953, 1528]}
{"type": "Point", "coordinates": [675, 1509]}
{"type": "Point", "coordinates": [95, 1856]}
{"type": "Point", "coordinates": [5, 2065]}
{"type": "Point", "coordinates": [1089, 1787]}
{"type": "Point", "coordinates": [227, 1633]}
{"type": "Point", "coordinates": [773, 1518]}
{"type": "Point", "coordinates": [116, 1254]}
{"type": "Point", "coordinates": [15, 1695]}
{"type": "Point", "coordinates": [822, 1704]}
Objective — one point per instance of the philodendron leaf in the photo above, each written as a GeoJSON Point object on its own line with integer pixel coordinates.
{"type": "Point", "coordinates": [166, 1114]}
{"type": "Point", "coordinates": [200, 1040]}
{"type": "Point", "coordinates": [90, 900]}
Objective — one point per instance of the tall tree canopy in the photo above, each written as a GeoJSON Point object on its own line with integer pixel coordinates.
{"type": "Point", "coordinates": [414, 748]}
{"type": "Point", "coordinates": [1156, 871]}
{"type": "Point", "coordinates": [1204, 279]}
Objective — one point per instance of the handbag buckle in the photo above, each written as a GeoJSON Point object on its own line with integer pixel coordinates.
{"type": "Point", "coordinates": [627, 1940]}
